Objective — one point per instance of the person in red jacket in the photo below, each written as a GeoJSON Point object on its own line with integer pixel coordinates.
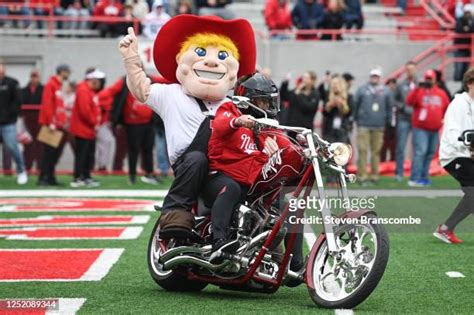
{"type": "Point", "coordinates": [85, 121]}
{"type": "Point", "coordinates": [277, 16]}
{"type": "Point", "coordinates": [236, 156]}
{"type": "Point", "coordinates": [108, 8]}
{"type": "Point", "coordinates": [137, 119]}
{"type": "Point", "coordinates": [53, 115]}
{"type": "Point", "coordinates": [429, 104]}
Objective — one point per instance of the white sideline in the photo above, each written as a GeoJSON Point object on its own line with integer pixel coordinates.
{"type": "Point", "coordinates": [84, 193]}
{"type": "Point", "coordinates": [428, 193]}
{"type": "Point", "coordinates": [67, 306]}
{"type": "Point", "coordinates": [454, 274]}
{"type": "Point", "coordinates": [344, 312]}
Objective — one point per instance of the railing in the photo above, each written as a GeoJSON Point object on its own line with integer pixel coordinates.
{"type": "Point", "coordinates": [335, 34]}
{"type": "Point", "coordinates": [439, 53]}
{"type": "Point", "coordinates": [51, 19]}
{"type": "Point", "coordinates": [435, 9]}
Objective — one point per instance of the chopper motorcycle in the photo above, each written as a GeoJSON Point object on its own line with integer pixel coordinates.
{"type": "Point", "coordinates": [344, 265]}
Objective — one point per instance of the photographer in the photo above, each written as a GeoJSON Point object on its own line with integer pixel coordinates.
{"type": "Point", "coordinates": [457, 158]}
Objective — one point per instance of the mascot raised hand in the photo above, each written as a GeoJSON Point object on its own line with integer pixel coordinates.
{"type": "Point", "coordinates": [201, 57]}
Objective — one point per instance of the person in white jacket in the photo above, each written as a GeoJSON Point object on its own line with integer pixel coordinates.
{"type": "Point", "coordinates": [457, 158]}
{"type": "Point", "coordinates": [155, 20]}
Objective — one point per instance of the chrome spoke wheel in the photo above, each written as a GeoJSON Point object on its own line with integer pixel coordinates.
{"type": "Point", "coordinates": [336, 277]}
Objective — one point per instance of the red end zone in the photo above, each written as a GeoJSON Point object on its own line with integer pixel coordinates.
{"type": "Point", "coordinates": [47, 220]}
{"type": "Point", "coordinates": [73, 204]}
{"type": "Point", "coordinates": [19, 265]}
{"type": "Point", "coordinates": [71, 233]}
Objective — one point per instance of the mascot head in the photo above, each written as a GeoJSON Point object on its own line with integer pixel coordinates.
{"type": "Point", "coordinates": [205, 55]}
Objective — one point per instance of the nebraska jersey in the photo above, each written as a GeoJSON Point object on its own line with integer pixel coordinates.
{"type": "Point", "coordinates": [234, 150]}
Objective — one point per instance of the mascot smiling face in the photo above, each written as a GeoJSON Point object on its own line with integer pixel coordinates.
{"type": "Point", "coordinates": [205, 55]}
{"type": "Point", "coordinates": [207, 66]}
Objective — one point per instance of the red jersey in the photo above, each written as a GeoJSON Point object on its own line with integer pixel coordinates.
{"type": "Point", "coordinates": [233, 150]}
{"type": "Point", "coordinates": [429, 107]}
{"type": "Point", "coordinates": [85, 113]}
{"type": "Point", "coordinates": [52, 109]}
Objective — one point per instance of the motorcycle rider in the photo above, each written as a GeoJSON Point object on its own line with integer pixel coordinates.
{"type": "Point", "coordinates": [458, 159]}
{"type": "Point", "coordinates": [201, 57]}
{"type": "Point", "coordinates": [237, 156]}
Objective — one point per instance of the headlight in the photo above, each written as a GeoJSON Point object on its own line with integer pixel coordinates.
{"type": "Point", "coordinates": [342, 153]}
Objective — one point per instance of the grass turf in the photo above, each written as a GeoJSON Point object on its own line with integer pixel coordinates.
{"type": "Point", "coordinates": [121, 182]}
{"type": "Point", "coordinates": [415, 280]}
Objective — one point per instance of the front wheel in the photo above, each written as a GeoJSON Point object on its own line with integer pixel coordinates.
{"type": "Point", "coordinates": [346, 279]}
{"type": "Point", "coordinates": [170, 280]}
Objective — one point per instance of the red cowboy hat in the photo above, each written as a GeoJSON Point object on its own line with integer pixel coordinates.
{"type": "Point", "coordinates": [168, 41]}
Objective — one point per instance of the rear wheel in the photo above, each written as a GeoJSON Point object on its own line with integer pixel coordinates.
{"type": "Point", "coordinates": [348, 279]}
{"type": "Point", "coordinates": [170, 280]}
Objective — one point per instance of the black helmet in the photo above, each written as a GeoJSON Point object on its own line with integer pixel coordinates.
{"type": "Point", "coordinates": [262, 93]}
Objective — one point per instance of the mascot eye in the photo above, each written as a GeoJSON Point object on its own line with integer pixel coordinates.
{"type": "Point", "coordinates": [222, 54]}
{"type": "Point", "coordinates": [201, 52]}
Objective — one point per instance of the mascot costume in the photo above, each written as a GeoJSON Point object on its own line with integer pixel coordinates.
{"type": "Point", "coordinates": [202, 58]}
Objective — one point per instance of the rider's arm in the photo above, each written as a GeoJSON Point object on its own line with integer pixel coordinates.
{"type": "Point", "coordinates": [224, 122]}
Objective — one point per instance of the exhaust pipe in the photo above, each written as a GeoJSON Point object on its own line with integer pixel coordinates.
{"type": "Point", "coordinates": [181, 260]}
{"type": "Point", "coordinates": [182, 250]}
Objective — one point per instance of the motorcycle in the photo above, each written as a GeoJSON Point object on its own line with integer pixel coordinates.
{"type": "Point", "coordinates": [344, 265]}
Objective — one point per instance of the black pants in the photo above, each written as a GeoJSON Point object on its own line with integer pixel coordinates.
{"type": "Point", "coordinates": [83, 158]}
{"type": "Point", "coordinates": [190, 172]}
{"type": "Point", "coordinates": [224, 194]}
{"type": "Point", "coordinates": [49, 158]}
{"type": "Point", "coordinates": [462, 169]}
{"type": "Point", "coordinates": [140, 139]}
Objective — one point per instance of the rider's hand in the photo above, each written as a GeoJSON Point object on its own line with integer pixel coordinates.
{"type": "Point", "coordinates": [270, 146]}
{"type": "Point", "coordinates": [52, 127]}
{"type": "Point", "coordinates": [244, 121]}
{"type": "Point", "coordinates": [128, 46]}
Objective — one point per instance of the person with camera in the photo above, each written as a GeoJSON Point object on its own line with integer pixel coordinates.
{"type": "Point", "coordinates": [457, 158]}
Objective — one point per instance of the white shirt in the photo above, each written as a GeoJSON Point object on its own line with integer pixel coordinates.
{"type": "Point", "coordinates": [181, 115]}
{"type": "Point", "coordinates": [458, 118]}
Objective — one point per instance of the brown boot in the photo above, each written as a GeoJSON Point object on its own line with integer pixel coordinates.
{"type": "Point", "coordinates": [176, 224]}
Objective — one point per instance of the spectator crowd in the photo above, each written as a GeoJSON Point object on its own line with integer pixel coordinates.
{"type": "Point", "coordinates": [279, 15]}
{"type": "Point", "coordinates": [93, 118]}
{"type": "Point", "coordinates": [89, 116]}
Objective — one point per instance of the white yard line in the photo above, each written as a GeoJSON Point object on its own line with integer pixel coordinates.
{"type": "Point", "coordinates": [343, 312]}
{"type": "Point", "coordinates": [454, 274]}
{"type": "Point", "coordinates": [67, 307]}
{"type": "Point", "coordinates": [101, 267]}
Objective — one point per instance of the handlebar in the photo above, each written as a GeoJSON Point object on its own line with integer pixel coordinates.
{"type": "Point", "coordinates": [272, 123]}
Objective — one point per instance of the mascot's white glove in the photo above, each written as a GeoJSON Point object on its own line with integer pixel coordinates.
{"type": "Point", "coordinates": [128, 46]}
{"type": "Point", "coordinates": [137, 81]}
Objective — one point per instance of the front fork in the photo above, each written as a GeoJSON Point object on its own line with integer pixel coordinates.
{"type": "Point", "coordinates": [325, 211]}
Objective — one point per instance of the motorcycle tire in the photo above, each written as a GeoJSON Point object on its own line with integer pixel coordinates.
{"type": "Point", "coordinates": [171, 280]}
{"type": "Point", "coordinates": [366, 286]}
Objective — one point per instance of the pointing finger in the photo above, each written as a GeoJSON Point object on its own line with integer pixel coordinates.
{"type": "Point", "coordinates": [131, 32]}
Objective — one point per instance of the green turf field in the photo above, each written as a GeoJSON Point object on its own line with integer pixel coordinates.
{"type": "Point", "coordinates": [120, 182]}
{"type": "Point", "coordinates": [415, 281]}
